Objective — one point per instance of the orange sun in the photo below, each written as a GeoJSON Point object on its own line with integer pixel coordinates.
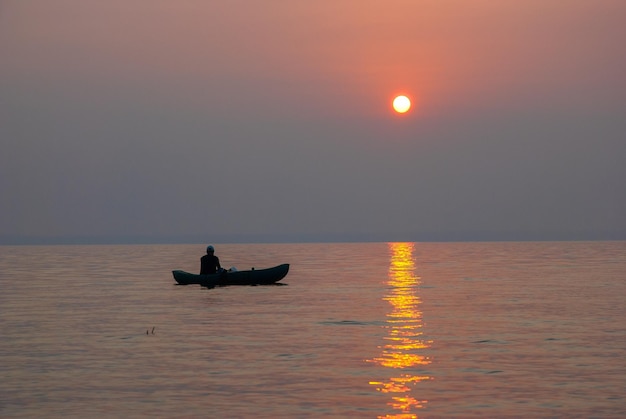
{"type": "Point", "coordinates": [401, 104]}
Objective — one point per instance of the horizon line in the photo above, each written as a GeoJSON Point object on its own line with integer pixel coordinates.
{"type": "Point", "coordinates": [17, 240]}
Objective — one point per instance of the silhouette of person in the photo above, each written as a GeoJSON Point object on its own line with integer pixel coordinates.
{"type": "Point", "coordinates": [209, 263]}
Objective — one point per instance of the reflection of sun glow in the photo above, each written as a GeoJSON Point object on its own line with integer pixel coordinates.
{"type": "Point", "coordinates": [403, 325]}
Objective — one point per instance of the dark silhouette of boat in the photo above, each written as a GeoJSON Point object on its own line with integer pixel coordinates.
{"type": "Point", "coordinates": [249, 277]}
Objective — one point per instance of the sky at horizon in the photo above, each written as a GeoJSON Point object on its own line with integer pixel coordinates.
{"type": "Point", "coordinates": [153, 119]}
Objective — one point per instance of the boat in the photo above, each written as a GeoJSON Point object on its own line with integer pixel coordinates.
{"type": "Point", "coordinates": [249, 277]}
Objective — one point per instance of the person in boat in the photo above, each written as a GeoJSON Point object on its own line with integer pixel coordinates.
{"type": "Point", "coordinates": [209, 263]}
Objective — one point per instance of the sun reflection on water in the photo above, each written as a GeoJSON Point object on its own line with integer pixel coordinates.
{"type": "Point", "coordinates": [401, 352]}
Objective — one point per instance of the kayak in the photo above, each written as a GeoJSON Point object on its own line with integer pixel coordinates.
{"type": "Point", "coordinates": [251, 277]}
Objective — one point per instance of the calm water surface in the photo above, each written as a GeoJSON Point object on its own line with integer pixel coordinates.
{"type": "Point", "coordinates": [376, 330]}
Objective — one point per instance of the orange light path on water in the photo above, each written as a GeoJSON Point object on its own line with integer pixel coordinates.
{"type": "Point", "coordinates": [404, 336]}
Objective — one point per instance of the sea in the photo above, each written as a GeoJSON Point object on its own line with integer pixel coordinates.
{"type": "Point", "coordinates": [355, 330]}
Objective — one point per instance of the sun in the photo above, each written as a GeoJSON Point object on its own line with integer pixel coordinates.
{"type": "Point", "coordinates": [401, 104]}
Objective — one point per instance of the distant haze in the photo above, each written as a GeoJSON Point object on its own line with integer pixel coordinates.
{"type": "Point", "coordinates": [199, 121]}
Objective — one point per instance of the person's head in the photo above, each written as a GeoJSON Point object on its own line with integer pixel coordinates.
{"type": "Point", "coordinates": [210, 250]}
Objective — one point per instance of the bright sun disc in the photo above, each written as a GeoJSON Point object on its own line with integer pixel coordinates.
{"type": "Point", "coordinates": [401, 104]}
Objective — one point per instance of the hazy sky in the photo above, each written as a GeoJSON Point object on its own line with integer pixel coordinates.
{"type": "Point", "coordinates": [258, 120]}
